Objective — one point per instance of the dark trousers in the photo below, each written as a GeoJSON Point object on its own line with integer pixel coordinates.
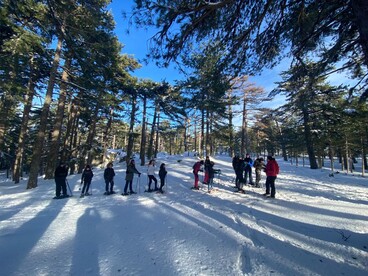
{"type": "Point", "coordinates": [60, 186]}
{"type": "Point", "coordinates": [270, 183]}
{"type": "Point", "coordinates": [152, 177]}
{"type": "Point", "coordinates": [86, 185]}
{"type": "Point", "coordinates": [248, 172]}
{"type": "Point", "coordinates": [162, 182]}
{"type": "Point", "coordinates": [130, 183]}
{"type": "Point", "coordinates": [239, 180]}
{"type": "Point", "coordinates": [109, 185]}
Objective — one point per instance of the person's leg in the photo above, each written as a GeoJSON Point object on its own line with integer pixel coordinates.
{"type": "Point", "coordinates": [268, 185]}
{"type": "Point", "coordinates": [149, 182]}
{"type": "Point", "coordinates": [106, 186]}
{"type": "Point", "coordinates": [196, 179]}
{"type": "Point", "coordinates": [87, 186]}
{"type": "Point", "coordinates": [126, 186]}
{"type": "Point", "coordinates": [63, 187]}
{"type": "Point", "coordinates": [273, 188]}
{"type": "Point", "coordinates": [111, 186]}
{"type": "Point", "coordinates": [58, 187]}
{"type": "Point", "coordinates": [131, 185]}
{"type": "Point", "coordinates": [155, 180]}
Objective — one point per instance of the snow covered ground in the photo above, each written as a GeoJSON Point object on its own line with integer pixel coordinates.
{"type": "Point", "coordinates": [317, 225]}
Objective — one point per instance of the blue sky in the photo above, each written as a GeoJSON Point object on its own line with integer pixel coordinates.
{"type": "Point", "coordinates": [136, 44]}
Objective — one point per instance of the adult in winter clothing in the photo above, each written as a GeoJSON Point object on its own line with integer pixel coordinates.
{"type": "Point", "coordinates": [130, 171]}
{"type": "Point", "coordinates": [207, 163]}
{"type": "Point", "coordinates": [248, 162]}
{"type": "Point", "coordinates": [162, 174]}
{"type": "Point", "coordinates": [61, 172]}
{"type": "Point", "coordinates": [196, 169]}
{"type": "Point", "coordinates": [211, 174]}
{"type": "Point", "coordinates": [259, 167]}
{"type": "Point", "coordinates": [109, 174]}
{"type": "Point", "coordinates": [239, 180]}
{"type": "Point", "coordinates": [87, 175]}
{"type": "Point", "coordinates": [272, 170]}
{"type": "Point", "coordinates": [151, 175]}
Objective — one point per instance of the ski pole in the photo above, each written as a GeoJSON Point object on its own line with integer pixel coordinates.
{"type": "Point", "coordinates": [90, 186]}
{"type": "Point", "coordinates": [70, 190]}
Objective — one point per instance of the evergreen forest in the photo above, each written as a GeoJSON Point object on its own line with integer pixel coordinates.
{"type": "Point", "coordinates": [68, 91]}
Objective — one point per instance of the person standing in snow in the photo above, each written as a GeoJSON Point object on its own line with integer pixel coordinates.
{"type": "Point", "coordinates": [239, 180]}
{"type": "Point", "coordinates": [61, 172]}
{"type": "Point", "coordinates": [271, 170]}
{"type": "Point", "coordinates": [196, 169]}
{"type": "Point", "coordinates": [248, 162]}
{"type": "Point", "coordinates": [151, 175]}
{"type": "Point", "coordinates": [130, 171]}
{"type": "Point", "coordinates": [207, 163]}
{"type": "Point", "coordinates": [109, 174]}
{"type": "Point", "coordinates": [211, 174]}
{"type": "Point", "coordinates": [259, 167]}
{"type": "Point", "coordinates": [162, 174]}
{"type": "Point", "coordinates": [87, 175]}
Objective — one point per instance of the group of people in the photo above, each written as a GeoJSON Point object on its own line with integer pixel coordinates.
{"type": "Point", "coordinates": [61, 173]}
{"type": "Point", "coordinates": [241, 166]}
{"type": "Point", "coordinates": [243, 171]}
{"type": "Point", "coordinates": [131, 169]}
{"type": "Point", "coordinates": [209, 172]}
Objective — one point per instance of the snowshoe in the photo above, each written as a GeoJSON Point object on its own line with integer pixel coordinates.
{"type": "Point", "coordinates": [82, 196]}
{"type": "Point", "coordinates": [195, 188]}
{"type": "Point", "coordinates": [106, 193]}
{"type": "Point", "coordinates": [112, 192]}
{"type": "Point", "coordinates": [124, 194]}
{"type": "Point", "coordinates": [57, 197]}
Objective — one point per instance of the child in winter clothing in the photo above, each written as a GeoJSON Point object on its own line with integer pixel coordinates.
{"type": "Point", "coordinates": [259, 167]}
{"type": "Point", "coordinates": [272, 170]}
{"type": "Point", "coordinates": [162, 174]}
{"type": "Point", "coordinates": [87, 175]}
{"type": "Point", "coordinates": [109, 174]}
{"type": "Point", "coordinates": [131, 170]}
{"type": "Point", "coordinates": [151, 175]}
{"type": "Point", "coordinates": [196, 169]}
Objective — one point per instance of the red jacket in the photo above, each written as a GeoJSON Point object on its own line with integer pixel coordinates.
{"type": "Point", "coordinates": [197, 167]}
{"type": "Point", "coordinates": [272, 168]}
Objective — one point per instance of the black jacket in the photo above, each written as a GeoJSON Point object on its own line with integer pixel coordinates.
{"type": "Point", "coordinates": [109, 174]}
{"type": "Point", "coordinates": [61, 172]}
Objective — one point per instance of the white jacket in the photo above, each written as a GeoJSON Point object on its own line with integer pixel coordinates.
{"type": "Point", "coordinates": [151, 170]}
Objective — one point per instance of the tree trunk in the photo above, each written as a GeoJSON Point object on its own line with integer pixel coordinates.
{"type": "Point", "coordinates": [152, 135]}
{"type": "Point", "coordinates": [38, 147]}
{"type": "Point", "coordinates": [360, 10]}
{"type": "Point", "coordinates": [309, 141]}
{"type": "Point", "coordinates": [106, 134]}
{"type": "Point", "coordinates": [56, 133]}
{"type": "Point", "coordinates": [131, 129]}
{"type": "Point", "coordinates": [143, 135]}
{"type": "Point", "coordinates": [28, 98]}
{"type": "Point", "coordinates": [157, 142]}
{"type": "Point", "coordinates": [88, 149]}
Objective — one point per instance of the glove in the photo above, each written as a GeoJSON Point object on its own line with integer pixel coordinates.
{"type": "Point", "coordinates": [139, 175]}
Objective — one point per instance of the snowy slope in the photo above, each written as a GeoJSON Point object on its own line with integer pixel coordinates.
{"type": "Point", "coordinates": [317, 225]}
